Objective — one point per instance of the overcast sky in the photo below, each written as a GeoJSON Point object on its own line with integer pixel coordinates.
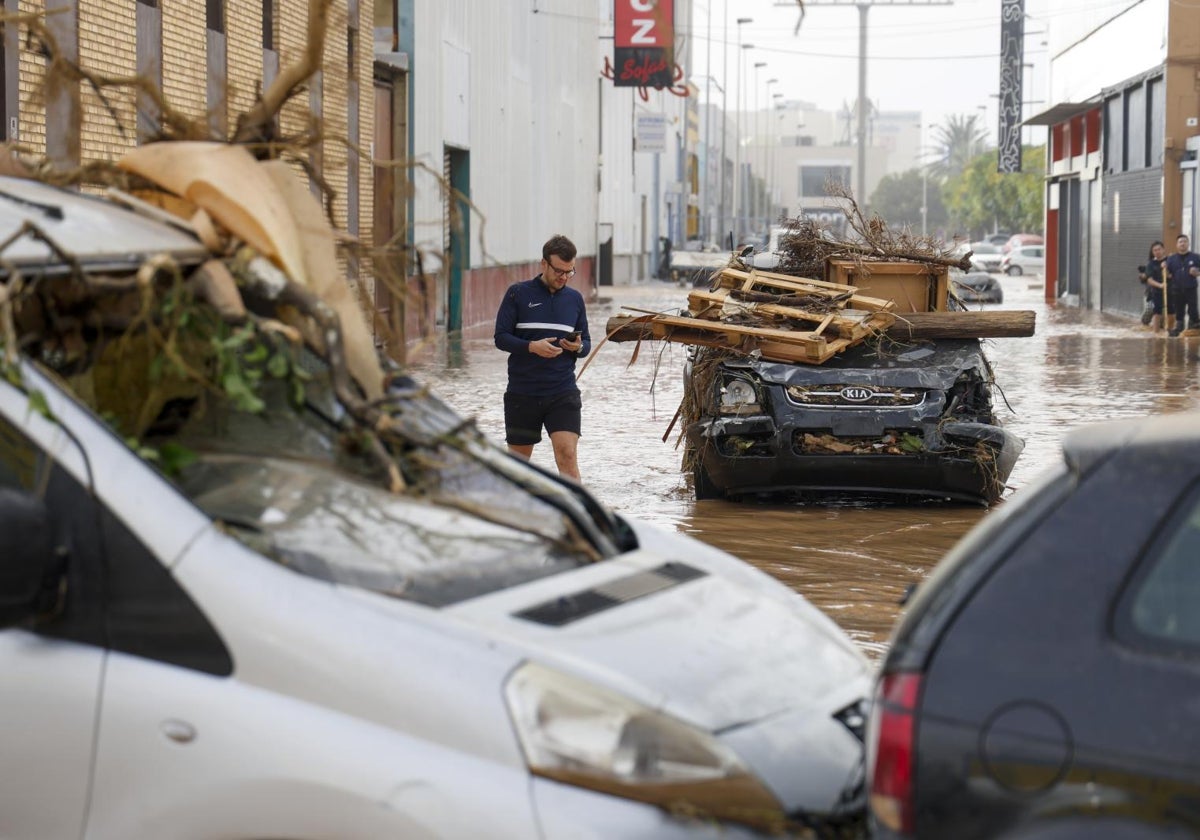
{"type": "Point", "coordinates": [937, 59]}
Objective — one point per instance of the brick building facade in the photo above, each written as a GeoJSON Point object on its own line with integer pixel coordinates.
{"type": "Point", "coordinates": [210, 58]}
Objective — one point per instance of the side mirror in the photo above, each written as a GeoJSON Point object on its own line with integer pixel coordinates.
{"type": "Point", "coordinates": [30, 570]}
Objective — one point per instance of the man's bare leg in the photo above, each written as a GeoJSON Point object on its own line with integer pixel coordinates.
{"type": "Point", "coordinates": [566, 446]}
{"type": "Point", "coordinates": [525, 452]}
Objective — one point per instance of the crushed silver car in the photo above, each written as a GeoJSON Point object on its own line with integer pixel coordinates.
{"type": "Point", "coordinates": [241, 596]}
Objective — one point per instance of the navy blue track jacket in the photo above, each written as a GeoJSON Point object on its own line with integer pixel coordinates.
{"type": "Point", "coordinates": [529, 312]}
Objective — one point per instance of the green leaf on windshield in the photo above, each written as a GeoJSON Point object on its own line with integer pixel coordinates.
{"type": "Point", "coordinates": [37, 402]}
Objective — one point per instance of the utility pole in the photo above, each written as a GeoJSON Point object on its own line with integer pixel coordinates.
{"type": "Point", "coordinates": [864, 6]}
{"type": "Point", "coordinates": [706, 198]}
{"type": "Point", "coordinates": [737, 140]}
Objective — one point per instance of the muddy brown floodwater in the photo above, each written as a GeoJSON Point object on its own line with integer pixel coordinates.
{"type": "Point", "coordinates": [852, 562]}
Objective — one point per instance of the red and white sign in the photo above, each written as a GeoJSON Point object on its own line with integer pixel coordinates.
{"type": "Point", "coordinates": [644, 23]}
{"type": "Point", "coordinates": [644, 41]}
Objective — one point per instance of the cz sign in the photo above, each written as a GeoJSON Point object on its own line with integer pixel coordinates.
{"type": "Point", "coordinates": [644, 41]}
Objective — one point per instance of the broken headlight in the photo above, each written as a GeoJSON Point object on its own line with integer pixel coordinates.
{"type": "Point", "coordinates": [580, 734]}
{"type": "Point", "coordinates": [739, 396]}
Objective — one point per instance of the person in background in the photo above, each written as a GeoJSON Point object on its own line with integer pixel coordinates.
{"type": "Point", "coordinates": [542, 325]}
{"type": "Point", "coordinates": [1153, 276]}
{"type": "Point", "coordinates": [1183, 267]}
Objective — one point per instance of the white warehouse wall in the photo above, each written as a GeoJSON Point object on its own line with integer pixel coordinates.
{"type": "Point", "coordinates": [514, 83]}
{"type": "Point", "coordinates": [1097, 48]}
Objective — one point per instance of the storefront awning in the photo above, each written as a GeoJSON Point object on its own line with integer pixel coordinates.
{"type": "Point", "coordinates": [1061, 112]}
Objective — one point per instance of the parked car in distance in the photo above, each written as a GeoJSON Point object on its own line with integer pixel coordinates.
{"type": "Point", "coordinates": [977, 287]}
{"type": "Point", "coordinates": [985, 256]}
{"type": "Point", "coordinates": [1027, 259]}
{"type": "Point", "coordinates": [1043, 681]}
{"type": "Point", "coordinates": [997, 238]}
{"type": "Point", "coordinates": [768, 258]}
{"type": "Point", "coordinates": [1019, 239]}
{"type": "Point", "coordinates": [280, 637]}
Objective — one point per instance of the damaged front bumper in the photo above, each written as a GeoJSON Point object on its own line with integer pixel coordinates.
{"type": "Point", "coordinates": [951, 460]}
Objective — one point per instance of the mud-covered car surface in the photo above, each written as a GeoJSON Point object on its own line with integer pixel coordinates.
{"type": "Point", "coordinates": [903, 423]}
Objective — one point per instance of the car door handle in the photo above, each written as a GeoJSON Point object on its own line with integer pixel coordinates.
{"type": "Point", "coordinates": [179, 731]}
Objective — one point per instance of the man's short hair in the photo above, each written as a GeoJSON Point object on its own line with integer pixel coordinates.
{"type": "Point", "coordinates": [1182, 236]}
{"type": "Point", "coordinates": [559, 246]}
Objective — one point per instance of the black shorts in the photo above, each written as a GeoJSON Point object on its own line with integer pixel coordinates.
{"type": "Point", "coordinates": [525, 416]}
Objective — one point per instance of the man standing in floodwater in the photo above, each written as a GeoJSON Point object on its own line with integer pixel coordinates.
{"type": "Point", "coordinates": [542, 325]}
{"type": "Point", "coordinates": [1183, 267]}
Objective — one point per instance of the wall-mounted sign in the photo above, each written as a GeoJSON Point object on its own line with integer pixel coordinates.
{"type": "Point", "coordinates": [651, 133]}
{"type": "Point", "coordinates": [644, 42]}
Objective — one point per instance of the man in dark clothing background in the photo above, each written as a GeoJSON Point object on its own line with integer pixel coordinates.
{"type": "Point", "coordinates": [1182, 268]}
{"type": "Point", "coordinates": [542, 325]}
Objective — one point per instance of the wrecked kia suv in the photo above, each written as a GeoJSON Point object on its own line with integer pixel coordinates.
{"type": "Point", "coordinates": [255, 584]}
{"type": "Point", "coordinates": [881, 420]}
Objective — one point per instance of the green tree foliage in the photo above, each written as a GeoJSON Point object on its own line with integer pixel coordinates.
{"type": "Point", "coordinates": [981, 199]}
{"type": "Point", "coordinates": [957, 142]}
{"type": "Point", "coordinates": [897, 200]}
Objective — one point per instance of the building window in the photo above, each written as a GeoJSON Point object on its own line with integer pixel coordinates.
{"type": "Point", "coordinates": [149, 66]}
{"type": "Point", "coordinates": [1114, 133]}
{"type": "Point", "coordinates": [217, 69]}
{"type": "Point", "coordinates": [1135, 128]}
{"type": "Point", "coordinates": [268, 24]}
{"type": "Point", "coordinates": [215, 15]}
{"type": "Point", "coordinates": [813, 178]}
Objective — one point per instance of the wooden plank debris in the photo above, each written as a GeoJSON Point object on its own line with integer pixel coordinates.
{"type": "Point", "coordinates": [775, 344]}
{"type": "Point", "coordinates": [909, 326]}
{"type": "Point", "coordinates": [798, 319]}
{"type": "Point", "coordinates": [854, 325]}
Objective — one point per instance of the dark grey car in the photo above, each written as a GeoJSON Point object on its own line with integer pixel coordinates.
{"type": "Point", "coordinates": [1045, 680]}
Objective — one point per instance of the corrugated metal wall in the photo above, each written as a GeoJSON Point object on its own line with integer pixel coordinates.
{"type": "Point", "coordinates": [1132, 219]}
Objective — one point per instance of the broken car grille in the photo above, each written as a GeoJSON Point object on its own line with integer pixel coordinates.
{"type": "Point", "coordinates": [853, 396]}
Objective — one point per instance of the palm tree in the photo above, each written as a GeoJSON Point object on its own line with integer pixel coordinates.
{"type": "Point", "coordinates": [959, 141]}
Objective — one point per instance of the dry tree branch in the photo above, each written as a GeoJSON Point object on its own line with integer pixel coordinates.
{"type": "Point", "coordinates": [256, 125]}
{"type": "Point", "coordinates": [879, 240]}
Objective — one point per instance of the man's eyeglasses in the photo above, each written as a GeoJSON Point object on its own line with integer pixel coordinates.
{"type": "Point", "coordinates": [561, 272]}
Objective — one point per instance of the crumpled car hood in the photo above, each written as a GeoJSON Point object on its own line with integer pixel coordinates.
{"type": "Point", "coordinates": [707, 642]}
{"type": "Point", "coordinates": [933, 365]}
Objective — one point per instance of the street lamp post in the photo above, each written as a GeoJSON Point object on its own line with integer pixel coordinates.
{"type": "Point", "coordinates": [706, 198]}
{"type": "Point", "coordinates": [737, 144]}
{"type": "Point", "coordinates": [755, 197]}
{"type": "Point", "coordinates": [767, 153]}
{"type": "Point", "coordinates": [924, 180]}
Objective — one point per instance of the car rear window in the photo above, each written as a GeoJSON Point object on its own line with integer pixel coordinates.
{"type": "Point", "coordinates": [1162, 602]}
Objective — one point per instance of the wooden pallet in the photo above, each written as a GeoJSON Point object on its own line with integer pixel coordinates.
{"type": "Point", "coordinates": [785, 284]}
{"type": "Point", "coordinates": [854, 325]}
{"type": "Point", "coordinates": [776, 345]}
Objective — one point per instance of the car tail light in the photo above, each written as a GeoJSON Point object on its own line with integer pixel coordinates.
{"type": "Point", "coordinates": [894, 750]}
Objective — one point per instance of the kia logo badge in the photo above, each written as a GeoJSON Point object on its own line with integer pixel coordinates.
{"type": "Point", "coordinates": [857, 394]}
